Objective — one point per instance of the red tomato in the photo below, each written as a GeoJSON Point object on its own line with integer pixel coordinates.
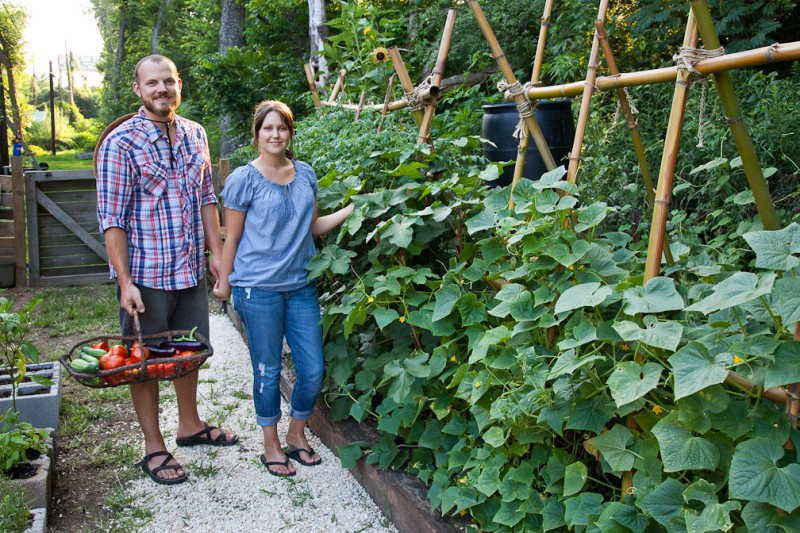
{"type": "Point", "coordinates": [101, 346]}
{"type": "Point", "coordinates": [138, 352]}
{"type": "Point", "coordinates": [114, 361]}
{"type": "Point", "coordinates": [169, 369]}
{"type": "Point", "coordinates": [119, 350]}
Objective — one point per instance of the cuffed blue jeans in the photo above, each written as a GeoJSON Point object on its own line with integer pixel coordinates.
{"type": "Point", "coordinates": [268, 317]}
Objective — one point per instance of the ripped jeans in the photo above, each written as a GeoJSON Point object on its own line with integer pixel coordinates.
{"type": "Point", "coordinates": [268, 317]}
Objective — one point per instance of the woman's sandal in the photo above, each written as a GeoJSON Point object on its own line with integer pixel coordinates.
{"type": "Point", "coordinates": [153, 473]}
{"type": "Point", "coordinates": [294, 453]}
{"type": "Point", "coordinates": [263, 459]}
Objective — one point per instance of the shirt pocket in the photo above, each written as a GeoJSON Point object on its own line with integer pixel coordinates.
{"type": "Point", "coordinates": [195, 169]}
{"type": "Point", "coordinates": [154, 179]}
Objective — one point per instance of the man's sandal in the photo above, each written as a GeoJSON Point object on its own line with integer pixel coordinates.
{"type": "Point", "coordinates": [153, 473]}
{"type": "Point", "coordinates": [204, 437]}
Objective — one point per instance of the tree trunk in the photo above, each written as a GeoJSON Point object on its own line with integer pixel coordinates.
{"type": "Point", "coordinates": [162, 7]}
{"type": "Point", "coordinates": [317, 33]}
{"type": "Point", "coordinates": [5, 61]}
{"type": "Point", "coordinates": [231, 35]}
{"type": "Point", "coordinates": [413, 24]}
{"type": "Point", "coordinates": [123, 24]}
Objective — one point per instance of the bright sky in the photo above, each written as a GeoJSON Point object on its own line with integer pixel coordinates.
{"type": "Point", "coordinates": [51, 23]}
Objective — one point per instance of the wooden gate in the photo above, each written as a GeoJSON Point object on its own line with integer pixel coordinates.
{"type": "Point", "coordinates": [64, 242]}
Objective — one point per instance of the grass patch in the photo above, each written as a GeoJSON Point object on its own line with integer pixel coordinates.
{"type": "Point", "coordinates": [65, 160]}
{"type": "Point", "coordinates": [88, 308]}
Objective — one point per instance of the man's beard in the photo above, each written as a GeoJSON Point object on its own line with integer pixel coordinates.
{"type": "Point", "coordinates": [159, 111]}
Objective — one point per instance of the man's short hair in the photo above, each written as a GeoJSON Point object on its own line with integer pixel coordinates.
{"type": "Point", "coordinates": [155, 58]}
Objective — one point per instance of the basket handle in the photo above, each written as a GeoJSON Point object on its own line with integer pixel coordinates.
{"type": "Point", "coordinates": [137, 328]}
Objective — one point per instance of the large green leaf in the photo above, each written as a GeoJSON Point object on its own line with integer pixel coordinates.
{"type": "Point", "coordinates": [715, 516]}
{"type": "Point", "coordinates": [695, 369]}
{"type": "Point", "coordinates": [739, 288]}
{"type": "Point", "coordinates": [400, 231]}
{"type": "Point", "coordinates": [788, 290]}
{"type": "Point", "coordinates": [665, 502]}
{"type": "Point", "coordinates": [759, 516]}
{"type": "Point", "coordinates": [613, 444]}
{"type": "Point", "coordinates": [509, 514]}
{"type": "Point", "coordinates": [658, 295]}
{"type": "Point", "coordinates": [567, 257]}
{"type": "Point", "coordinates": [680, 450]}
{"type": "Point", "coordinates": [568, 362]}
{"type": "Point", "coordinates": [755, 475]}
{"type": "Point", "coordinates": [592, 215]}
{"type": "Point", "coordinates": [630, 381]}
{"type": "Point", "coordinates": [666, 335]}
{"type": "Point", "coordinates": [584, 295]}
{"type": "Point", "coordinates": [446, 298]}
{"type": "Point", "coordinates": [579, 509]}
{"type": "Point", "coordinates": [774, 249]}
{"type": "Point", "coordinates": [384, 316]}
{"type": "Point", "coordinates": [618, 517]}
{"type": "Point", "coordinates": [575, 476]}
{"type": "Point", "coordinates": [786, 367]}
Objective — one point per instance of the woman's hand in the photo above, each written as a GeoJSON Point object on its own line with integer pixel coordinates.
{"type": "Point", "coordinates": [222, 290]}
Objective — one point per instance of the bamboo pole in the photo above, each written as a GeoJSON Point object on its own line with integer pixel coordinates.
{"type": "Point", "coordinates": [405, 80]}
{"type": "Point", "coordinates": [312, 84]}
{"type": "Point", "coordinates": [508, 74]}
{"type": "Point", "coordinates": [586, 99]}
{"type": "Point", "coordinates": [662, 197]}
{"type": "Point", "coordinates": [337, 86]}
{"type": "Point", "coordinates": [389, 87]}
{"type": "Point", "coordinates": [668, 160]}
{"type": "Point", "coordinates": [436, 78]}
{"type": "Point", "coordinates": [749, 58]}
{"type": "Point", "coordinates": [522, 147]}
{"type": "Point", "coordinates": [733, 115]}
{"type": "Point", "coordinates": [360, 104]}
{"type": "Point", "coordinates": [633, 127]}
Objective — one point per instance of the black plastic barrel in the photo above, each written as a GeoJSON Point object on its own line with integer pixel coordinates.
{"type": "Point", "coordinates": [557, 125]}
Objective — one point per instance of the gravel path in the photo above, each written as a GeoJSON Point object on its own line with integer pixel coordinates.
{"type": "Point", "coordinates": [228, 489]}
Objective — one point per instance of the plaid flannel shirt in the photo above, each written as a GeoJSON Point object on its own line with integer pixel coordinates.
{"type": "Point", "coordinates": [156, 198]}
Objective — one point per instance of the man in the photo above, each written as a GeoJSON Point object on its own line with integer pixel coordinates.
{"type": "Point", "coordinates": [157, 210]}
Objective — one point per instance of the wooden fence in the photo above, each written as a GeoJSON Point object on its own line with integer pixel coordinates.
{"type": "Point", "coordinates": [57, 210]}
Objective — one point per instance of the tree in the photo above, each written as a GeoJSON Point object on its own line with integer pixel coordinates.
{"type": "Point", "coordinates": [231, 34]}
{"type": "Point", "coordinates": [317, 34]}
{"type": "Point", "coordinates": [12, 22]}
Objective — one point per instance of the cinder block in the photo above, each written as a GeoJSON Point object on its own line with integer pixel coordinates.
{"type": "Point", "coordinates": [38, 405]}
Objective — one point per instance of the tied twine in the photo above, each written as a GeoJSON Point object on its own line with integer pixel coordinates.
{"type": "Point", "coordinates": [686, 58]}
{"type": "Point", "coordinates": [525, 107]}
{"type": "Point", "coordinates": [414, 98]}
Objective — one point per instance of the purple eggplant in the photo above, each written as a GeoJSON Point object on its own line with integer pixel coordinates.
{"type": "Point", "coordinates": [191, 346]}
{"type": "Point", "coordinates": [159, 351]}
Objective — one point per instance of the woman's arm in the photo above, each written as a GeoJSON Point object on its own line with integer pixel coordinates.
{"type": "Point", "coordinates": [234, 226]}
{"type": "Point", "coordinates": [322, 225]}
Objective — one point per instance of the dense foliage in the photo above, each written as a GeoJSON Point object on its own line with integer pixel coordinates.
{"type": "Point", "coordinates": [515, 360]}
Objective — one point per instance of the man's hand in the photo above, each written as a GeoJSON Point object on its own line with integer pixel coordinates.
{"type": "Point", "coordinates": [130, 299]}
{"type": "Point", "coordinates": [222, 290]}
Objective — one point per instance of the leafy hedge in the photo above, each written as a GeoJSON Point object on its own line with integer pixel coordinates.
{"type": "Point", "coordinates": [514, 360]}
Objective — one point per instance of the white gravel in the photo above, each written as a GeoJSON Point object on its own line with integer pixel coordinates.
{"type": "Point", "coordinates": [228, 489]}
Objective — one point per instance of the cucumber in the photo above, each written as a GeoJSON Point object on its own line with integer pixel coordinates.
{"type": "Point", "coordinates": [89, 358]}
{"type": "Point", "coordinates": [94, 352]}
{"type": "Point", "coordinates": [83, 366]}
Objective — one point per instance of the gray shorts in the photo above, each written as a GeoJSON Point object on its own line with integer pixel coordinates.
{"type": "Point", "coordinates": [170, 310]}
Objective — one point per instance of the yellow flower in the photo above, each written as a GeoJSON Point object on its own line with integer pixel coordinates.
{"type": "Point", "coordinates": [463, 480]}
{"type": "Point", "coordinates": [737, 360]}
{"type": "Point", "coordinates": [625, 347]}
{"type": "Point", "coordinates": [453, 358]}
{"type": "Point", "coordinates": [462, 512]}
{"type": "Point", "coordinates": [380, 54]}
{"type": "Point", "coordinates": [367, 30]}
{"type": "Point", "coordinates": [370, 299]}
{"type": "Point", "coordinates": [657, 409]}
{"type": "Point", "coordinates": [572, 267]}
{"type": "Point", "coordinates": [402, 319]}
{"type": "Point", "coordinates": [477, 384]}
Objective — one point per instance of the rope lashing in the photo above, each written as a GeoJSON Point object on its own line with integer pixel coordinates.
{"type": "Point", "coordinates": [414, 98]}
{"type": "Point", "coordinates": [686, 58]}
{"type": "Point", "coordinates": [525, 107]}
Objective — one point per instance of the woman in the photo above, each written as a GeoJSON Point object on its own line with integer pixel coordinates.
{"type": "Point", "coordinates": [271, 220]}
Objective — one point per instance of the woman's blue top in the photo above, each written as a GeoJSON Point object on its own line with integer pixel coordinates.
{"type": "Point", "coordinates": [276, 241]}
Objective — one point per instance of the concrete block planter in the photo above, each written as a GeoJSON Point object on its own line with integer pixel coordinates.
{"type": "Point", "coordinates": [39, 524]}
{"type": "Point", "coordinates": [39, 487]}
{"type": "Point", "coordinates": [38, 405]}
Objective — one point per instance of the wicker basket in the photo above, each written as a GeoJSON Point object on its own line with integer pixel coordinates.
{"type": "Point", "coordinates": [142, 371]}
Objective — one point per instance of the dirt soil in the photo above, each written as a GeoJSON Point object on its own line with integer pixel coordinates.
{"type": "Point", "coordinates": [85, 472]}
